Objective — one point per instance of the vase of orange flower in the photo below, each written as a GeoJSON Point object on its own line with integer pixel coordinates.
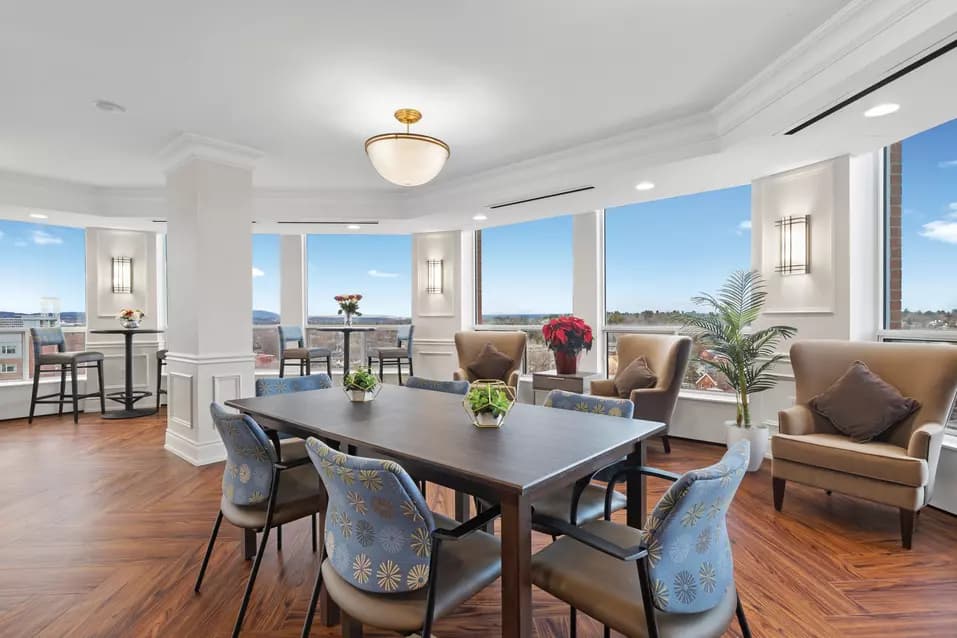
{"type": "Point", "coordinates": [131, 317]}
{"type": "Point", "coordinates": [349, 307]}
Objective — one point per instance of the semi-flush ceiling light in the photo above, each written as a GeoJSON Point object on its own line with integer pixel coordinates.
{"type": "Point", "coordinates": [882, 109]}
{"type": "Point", "coordinates": [109, 107]}
{"type": "Point", "coordinates": [644, 186]}
{"type": "Point", "coordinates": [407, 159]}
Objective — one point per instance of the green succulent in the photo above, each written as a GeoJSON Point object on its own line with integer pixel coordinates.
{"type": "Point", "coordinates": [360, 379]}
{"type": "Point", "coordinates": [488, 398]}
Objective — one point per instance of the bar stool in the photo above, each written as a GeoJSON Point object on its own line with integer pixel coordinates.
{"type": "Point", "coordinates": [396, 355]}
{"type": "Point", "coordinates": [300, 355]}
{"type": "Point", "coordinates": [160, 363]}
{"type": "Point", "coordinates": [62, 360]}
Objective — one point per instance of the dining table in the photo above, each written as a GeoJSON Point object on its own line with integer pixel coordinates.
{"type": "Point", "coordinates": [536, 451]}
{"type": "Point", "coordinates": [346, 331]}
{"type": "Point", "coordinates": [128, 396]}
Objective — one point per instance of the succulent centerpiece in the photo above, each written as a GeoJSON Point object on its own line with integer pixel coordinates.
{"type": "Point", "coordinates": [361, 385]}
{"type": "Point", "coordinates": [487, 402]}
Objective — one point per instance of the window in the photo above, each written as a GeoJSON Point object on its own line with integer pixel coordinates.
{"type": "Point", "coordinates": [379, 267]}
{"type": "Point", "coordinates": [523, 278]}
{"type": "Point", "coordinates": [266, 300]}
{"type": "Point", "coordinates": [8, 368]}
{"type": "Point", "coordinates": [8, 348]}
{"type": "Point", "coordinates": [660, 254]}
{"type": "Point", "coordinates": [921, 231]}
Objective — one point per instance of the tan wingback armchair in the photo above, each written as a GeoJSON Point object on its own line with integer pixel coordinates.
{"type": "Point", "coordinates": [667, 355]}
{"type": "Point", "coordinates": [469, 345]}
{"type": "Point", "coordinates": [898, 468]}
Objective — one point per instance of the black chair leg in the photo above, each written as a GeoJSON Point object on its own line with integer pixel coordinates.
{"type": "Point", "coordinates": [329, 366]}
{"type": "Point", "coordinates": [742, 620]}
{"type": "Point", "coordinates": [315, 543]}
{"type": "Point", "coordinates": [301, 367]}
{"type": "Point", "coordinates": [99, 380]}
{"type": "Point", "coordinates": [398, 366]}
{"type": "Point", "coordinates": [282, 367]}
{"type": "Point", "coordinates": [573, 623]}
{"type": "Point", "coordinates": [667, 443]}
{"type": "Point", "coordinates": [252, 581]}
{"type": "Point", "coordinates": [309, 366]}
{"type": "Point", "coordinates": [606, 632]}
{"type": "Point", "coordinates": [62, 390]}
{"type": "Point", "coordinates": [307, 625]}
{"type": "Point", "coordinates": [279, 538]}
{"type": "Point", "coordinates": [33, 397]}
{"type": "Point", "coordinates": [76, 405]}
{"type": "Point", "coordinates": [381, 373]}
{"type": "Point", "coordinates": [411, 372]}
{"type": "Point", "coordinates": [209, 551]}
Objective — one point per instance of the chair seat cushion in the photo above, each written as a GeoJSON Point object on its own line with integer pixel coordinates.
{"type": "Point", "coordinates": [292, 447]}
{"type": "Point", "coordinates": [608, 590]}
{"type": "Point", "coordinates": [466, 567]}
{"type": "Point", "coordinates": [70, 357]}
{"type": "Point", "coordinates": [306, 353]}
{"type": "Point", "coordinates": [591, 505]}
{"type": "Point", "coordinates": [490, 364]}
{"type": "Point", "coordinates": [300, 494]}
{"type": "Point", "coordinates": [872, 459]}
{"type": "Point", "coordinates": [390, 353]}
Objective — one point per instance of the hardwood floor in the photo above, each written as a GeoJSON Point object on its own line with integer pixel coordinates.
{"type": "Point", "coordinates": [102, 533]}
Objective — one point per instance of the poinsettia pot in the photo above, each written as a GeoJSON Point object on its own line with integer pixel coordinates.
{"type": "Point", "coordinates": [566, 362]}
{"type": "Point", "coordinates": [757, 435]}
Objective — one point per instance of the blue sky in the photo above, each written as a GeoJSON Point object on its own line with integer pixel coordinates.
{"type": "Point", "coordinates": [929, 220]}
{"type": "Point", "coordinates": [38, 260]}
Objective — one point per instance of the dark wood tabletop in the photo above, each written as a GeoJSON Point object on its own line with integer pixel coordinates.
{"type": "Point", "coordinates": [122, 331]}
{"type": "Point", "coordinates": [343, 328]}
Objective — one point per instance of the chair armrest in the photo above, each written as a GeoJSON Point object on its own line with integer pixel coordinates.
{"type": "Point", "coordinates": [469, 526]}
{"type": "Point", "coordinates": [604, 388]}
{"type": "Point", "coordinates": [652, 404]}
{"type": "Point", "coordinates": [622, 469]}
{"type": "Point", "coordinates": [798, 419]}
{"type": "Point", "coordinates": [513, 379]}
{"type": "Point", "coordinates": [925, 441]}
{"type": "Point", "coordinates": [460, 375]}
{"type": "Point", "coordinates": [559, 527]}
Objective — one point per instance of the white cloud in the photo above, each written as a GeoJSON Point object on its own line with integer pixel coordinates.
{"type": "Point", "coordinates": [941, 230]}
{"type": "Point", "coordinates": [43, 238]}
{"type": "Point", "coordinates": [744, 227]}
{"type": "Point", "coordinates": [379, 273]}
{"type": "Point", "coordinates": [257, 272]}
{"type": "Point", "coordinates": [952, 206]}
{"type": "Point", "coordinates": [947, 164]}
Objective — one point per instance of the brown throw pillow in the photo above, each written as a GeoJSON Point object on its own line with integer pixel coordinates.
{"type": "Point", "coordinates": [862, 405]}
{"type": "Point", "coordinates": [490, 364]}
{"type": "Point", "coordinates": [635, 376]}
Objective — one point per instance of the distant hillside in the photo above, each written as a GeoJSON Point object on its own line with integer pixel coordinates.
{"type": "Point", "coordinates": [265, 317]}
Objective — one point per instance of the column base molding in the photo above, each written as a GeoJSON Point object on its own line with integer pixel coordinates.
{"type": "Point", "coordinates": [192, 452]}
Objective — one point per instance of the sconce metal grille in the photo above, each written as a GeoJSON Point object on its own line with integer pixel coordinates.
{"type": "Point", "coordinates": [435, 276]}
{"type": "Point", "coordinates": [795, 245]}
{"type": "Point", "coordinates": [123, 275]}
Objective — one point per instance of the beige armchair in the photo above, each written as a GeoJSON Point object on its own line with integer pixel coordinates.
{"type": "Point", "coordinates": [897, 469]}
{"type": "Point", "coordinates": [469, 345]}
{"type": "Point", "coordinates": [667, 355]}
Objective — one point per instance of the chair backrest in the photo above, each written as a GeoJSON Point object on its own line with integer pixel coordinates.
{"type": "Point", "coordinates": [667, 355]}
{"type": "Point", "coordinates": [469, 344]}
{"type": "Point", "coordinates": [47, 337]}
{"type": "Point", "coordinates": [590, 403]}
{"type": "Point", "coordinates": [452, 387]}
{"type": "Point", "coordinates": [926, 372]}
{"type": "Point", "coordinates": [266, 386]}
{"type": "Point", "coordinates": [403, 335]}
{"type": "Point", "coordinates": [250, 455]}
{"type": "Point", "coordinates": [378, 527]}
{"type": "Point", "coordinates": [689, 553]}
{"type": "Point", "coordinates": [291, 333]}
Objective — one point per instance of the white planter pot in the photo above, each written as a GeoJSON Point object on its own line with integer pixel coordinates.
{"type": "Point", "coordinates": [758, 435]}
{"type": "Point", "coordinates": [360, 396]}
{"type": "Point", "coordinates": [489, 420]}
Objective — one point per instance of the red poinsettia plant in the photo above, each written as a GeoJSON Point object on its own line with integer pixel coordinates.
{"type": "Point", "coordinates": [567, 334]}
{"type": "Point", "coordinates": [349, 304]}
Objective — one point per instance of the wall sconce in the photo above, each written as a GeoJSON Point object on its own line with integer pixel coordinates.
{"type": "Point", "coordinates": [795, 237]}
{"type": "Point", "coordinates": [123, 275]}
{"type": "Point", "coordinates": [434, 285]}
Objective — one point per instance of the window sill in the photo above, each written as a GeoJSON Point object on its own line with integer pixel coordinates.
{"type": "Point", "coordinates": [13, 383]}
{"type": "Point", "coordinates": [710, 397]}
{"type": "Point", "coordinates": [950, 442]}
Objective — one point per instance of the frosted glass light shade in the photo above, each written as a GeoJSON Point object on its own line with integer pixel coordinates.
{"type": "Point", "coordinates": [407, 159]}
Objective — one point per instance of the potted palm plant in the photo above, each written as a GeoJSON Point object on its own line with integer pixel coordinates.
{"type": "Point", "coordinates": [745, 356]}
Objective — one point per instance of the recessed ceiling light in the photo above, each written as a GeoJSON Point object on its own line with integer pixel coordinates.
{"type": "Point", "coordinates": [38, 216]}
{"type": "Point", "coordinates": [882, 109]}
{"type": "Point", "coordinates": [110, 107]}
{"type": "Point", "coordinates": [480, 217]}
{"type": "Point", "coordinates": [353, 226]}
{"type": "Point", "coordinates": [644, 186]}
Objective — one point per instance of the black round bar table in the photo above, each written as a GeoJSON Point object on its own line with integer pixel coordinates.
{"type": "Point", "coordinates": [346, 333]}
{"type": "Point", "coordinates": [128, 396]}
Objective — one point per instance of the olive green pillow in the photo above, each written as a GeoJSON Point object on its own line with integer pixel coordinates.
{"type": "Point", "coordinates": [635, 376]}
{"type": "Point", "coordinates": [490, 364]}
{"type": "Point", "coordinates": [861, 405]}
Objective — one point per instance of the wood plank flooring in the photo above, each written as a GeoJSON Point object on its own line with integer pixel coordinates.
{"type": "Point", "coordinates": [102, 532]}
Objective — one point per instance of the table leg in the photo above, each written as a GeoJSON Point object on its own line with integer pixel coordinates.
{"type": "Point", "coordinates": [462, 509]}
{"type": "Point", "coordinates": [637, 488]}
{"type": "Point", "coordinates": [129, 410]}
{"type": "Point", "coordinates": [516, 566]}
{"type": "Point", "coordinates": [345, 353]}
{"type": "Point", "coordinates": [249, 544]}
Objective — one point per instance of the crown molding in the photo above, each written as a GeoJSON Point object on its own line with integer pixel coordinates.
{"type": "Point", "coordinates": [186, 147]}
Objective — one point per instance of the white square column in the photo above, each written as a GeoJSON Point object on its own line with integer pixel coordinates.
{"type": "Point", "coordinates": [292, 280]}
{"type": "Point", "coordinates": [209, 260]}
{"type": "Point", "coordinates": [588, 282]}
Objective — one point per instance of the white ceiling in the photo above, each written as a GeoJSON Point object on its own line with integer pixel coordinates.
{"type": "Point", "coordinates": [306, 82]}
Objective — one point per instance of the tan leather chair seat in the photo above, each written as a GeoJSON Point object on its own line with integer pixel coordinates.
{"type": "Point", "coordinates": [608, 590]}
{"type": "Point", "coordinates": [390, 353]}
{"type": "Point", "coordinates": [299, 489]}
{"type": "Point", "coordinates": [70, 357]}
{"type": "Point", "coordinates": [305, 353]}
{"type": "Point", "coordinates": [466, 566]}
{"type": "Point", "coordinates": [874, 459]}
{"type": "Point", "coordinates": [591, 505]}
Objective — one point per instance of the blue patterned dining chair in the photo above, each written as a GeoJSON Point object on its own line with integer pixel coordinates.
{"type": "Point", "coordinates": [388, 561]}
{"type": "Point", "coordinates": [301, 355]}
{"type": "Point", "coordinates": [673, 578]}
{"type": "Point", "coordinates": [451, 387]}
{"type": "Point", "coordinates": [259, 491]}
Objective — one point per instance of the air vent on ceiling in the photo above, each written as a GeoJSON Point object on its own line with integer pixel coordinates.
{"type": "Point", "coordinates": [539, 197]}
{"type": "Point", "coordinates": [913, 66]}
{"type": "Point", "coordinates": [329, 223]}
